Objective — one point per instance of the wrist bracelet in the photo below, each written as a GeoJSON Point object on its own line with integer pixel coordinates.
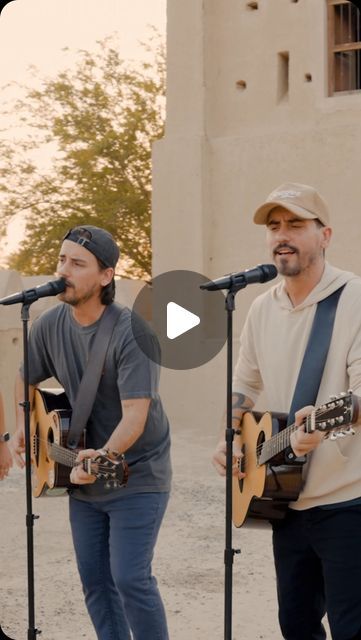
{"type": "Point", "coordinates": [110, 453]}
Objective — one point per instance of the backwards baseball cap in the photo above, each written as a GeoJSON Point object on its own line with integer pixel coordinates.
{"type": "Point", "coordinates": [96, 240]}
{"type": "Point", "coordinates": [300, 199]}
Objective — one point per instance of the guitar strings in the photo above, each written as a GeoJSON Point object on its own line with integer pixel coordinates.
{"type": "Point", "coordinates": [69, 457]}
{"type": "Point", "coordinates": [281, 439]}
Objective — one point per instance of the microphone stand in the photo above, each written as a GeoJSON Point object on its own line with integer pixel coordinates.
{"type": "Point", "coordinates": [235, 284]}
{"type": "Point", "coordinates": [229, 552]}
{"type": "Point", "coordinates": [30, 517]}
{"type": "Point", "coordinates": [27, 298]}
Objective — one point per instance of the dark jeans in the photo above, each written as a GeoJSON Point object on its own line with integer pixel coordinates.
{"type": "Point", "coordinates": [318, 565]}
{"type": "Point", "coordinates": [114, 543]}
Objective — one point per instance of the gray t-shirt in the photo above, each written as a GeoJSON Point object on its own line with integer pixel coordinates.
{"type": "Point", "coordinates": [59, 348]}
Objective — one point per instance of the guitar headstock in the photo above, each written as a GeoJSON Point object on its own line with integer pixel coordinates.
{"type": "Point", "coordinates": [335, 417]}
{"type": "Point", "coordinates": [113, 472]}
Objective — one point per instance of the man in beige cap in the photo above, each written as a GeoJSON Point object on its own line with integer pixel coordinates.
{"type": "Point", "coordinates": [316, 546]}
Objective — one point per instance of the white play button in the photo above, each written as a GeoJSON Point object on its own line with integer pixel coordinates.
{"type": "Point", "coordinates": [179, 320]}
{"type": "Point", "coordinates": [188, 324]}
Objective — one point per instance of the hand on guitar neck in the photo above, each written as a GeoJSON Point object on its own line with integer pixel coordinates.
{"type": "Point", "coordinates": [302, 442]}
{"type": "Point", "coordinates": [78, 474]}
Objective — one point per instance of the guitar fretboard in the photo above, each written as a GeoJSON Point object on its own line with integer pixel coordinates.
{"type": "Point", "coordinates": [281, 440]}
{"type": "Point", "coordinates": [276, 444]}
{"type": "Point", "coordinates": [62, 455]}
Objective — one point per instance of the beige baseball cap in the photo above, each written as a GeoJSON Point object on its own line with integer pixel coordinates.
{"type": "Point", "coordinates": [300, 199]}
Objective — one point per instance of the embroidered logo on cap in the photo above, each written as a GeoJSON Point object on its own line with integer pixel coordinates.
{"type": "Point", "coordinates": [284, 195]}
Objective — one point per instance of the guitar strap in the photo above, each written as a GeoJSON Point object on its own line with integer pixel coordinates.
{"type": "Point", "coordinates": [314, 359]}
{"type": "Point", "coordinates": [91, 377]}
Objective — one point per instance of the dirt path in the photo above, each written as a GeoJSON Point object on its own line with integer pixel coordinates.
{"type": "Point", "coordinates": [188, 563]}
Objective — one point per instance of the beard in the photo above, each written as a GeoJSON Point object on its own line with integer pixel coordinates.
{"type": "Point", "coordinates": [74, 299]}
{"type": "Point", "coordinates": [294, 265]}
{"type": "Point", "coordinates": [287, 265]}
{"type": "Point", "coordinates": [289, 270]}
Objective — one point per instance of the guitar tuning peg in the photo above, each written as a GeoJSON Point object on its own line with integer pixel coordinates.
{"type": "Point", "coordinates": [333, 397]}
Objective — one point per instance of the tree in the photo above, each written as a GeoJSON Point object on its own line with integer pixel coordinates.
{"type": "Point", "coordinates": [100, 117]}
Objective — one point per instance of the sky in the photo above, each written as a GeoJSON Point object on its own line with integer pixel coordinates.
{"type": "Point", "coordinates": [34, 32]}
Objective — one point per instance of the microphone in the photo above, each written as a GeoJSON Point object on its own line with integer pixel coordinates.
{"type": "Point", "coordinates": [261, 273]}
{"type": "Point", "coordinates": [51, 288]}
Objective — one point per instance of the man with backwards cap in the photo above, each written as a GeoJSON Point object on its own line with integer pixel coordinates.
{"type": "Point", "coordinates": [114, 530]}
{"type": "Point", "coordinates": [316, 546]}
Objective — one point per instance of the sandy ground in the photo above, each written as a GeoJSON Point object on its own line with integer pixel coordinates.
{"type": "Point", "coordinates": [188, 563]}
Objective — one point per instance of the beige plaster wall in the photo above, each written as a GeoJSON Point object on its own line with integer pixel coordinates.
{"type": "Point", "coordinates": [225, 148]}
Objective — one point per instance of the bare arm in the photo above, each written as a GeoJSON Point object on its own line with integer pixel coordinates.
{"type": "Point", "coordinates": [240, 404]}
{"type": "Point", "coordinates": [127, 432]}
{"type": "Point", "coordinates": [131, 426]}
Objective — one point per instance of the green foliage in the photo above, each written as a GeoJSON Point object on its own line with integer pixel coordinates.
{"type": "Point", "coordinates": [99, 119]}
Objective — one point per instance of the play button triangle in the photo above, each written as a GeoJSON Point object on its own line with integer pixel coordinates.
{"type": "Point", "coordinates": [176, 323]}
{"type": "Point", "coordinates": [179, 320]}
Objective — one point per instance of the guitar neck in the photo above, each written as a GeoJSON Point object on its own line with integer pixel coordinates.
{"type": "Point", "coordinates": [339, 413]}
{"type": "Point", "coordinates": [62, 455]}
{"type": "Point", "coordinates": [276, 444]}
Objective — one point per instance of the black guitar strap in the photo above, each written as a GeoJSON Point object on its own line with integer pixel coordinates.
{"type": "Point", "coordinates": [91, 377]}
{"type": "Point", "coordinates": [314, 359]}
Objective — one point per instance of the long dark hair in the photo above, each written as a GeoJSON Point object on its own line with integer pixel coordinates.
{"type": "Point", "coordinates": [107, 294]}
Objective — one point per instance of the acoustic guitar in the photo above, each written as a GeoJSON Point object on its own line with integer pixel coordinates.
{"type": "Point", "coordinates": [52, 460]}
{"type": "Point", "coordinates": [270, 483]}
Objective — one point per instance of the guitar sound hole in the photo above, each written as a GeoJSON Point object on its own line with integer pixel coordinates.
{"type": "Point", "coordinates": [50, 441]}
{"type": "Point", "coordinates": [260, 441]}
{"type": "Point", "coordinates": [242, 465]}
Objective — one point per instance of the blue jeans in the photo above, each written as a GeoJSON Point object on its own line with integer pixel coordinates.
{"type": "Point", "coordinates": [114, 543]}
{"type": "Point", "coordinates": [318, 566]}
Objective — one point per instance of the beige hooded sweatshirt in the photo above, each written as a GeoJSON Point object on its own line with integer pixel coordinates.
{"type": "Point", "coordinates": [273, 343]}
